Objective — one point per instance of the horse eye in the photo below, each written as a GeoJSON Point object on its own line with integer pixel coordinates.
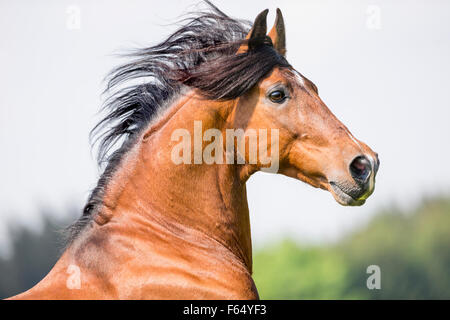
{"type": "Point", "coordinates": [277, 96]}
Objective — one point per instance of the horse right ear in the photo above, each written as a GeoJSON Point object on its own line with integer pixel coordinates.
{"type": "Point", "coordinates": [257, 33]}
{"type": "Point", "coordinates": [278, 34]}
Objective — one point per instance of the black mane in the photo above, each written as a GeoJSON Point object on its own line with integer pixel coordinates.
{"type": "Point", "coordinates": [202, 55]}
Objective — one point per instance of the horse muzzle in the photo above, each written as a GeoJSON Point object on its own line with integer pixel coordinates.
{"type": "Point", "coordinates": [362, 171]}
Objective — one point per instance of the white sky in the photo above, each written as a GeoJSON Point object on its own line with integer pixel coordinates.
{"type": "Point", "coordinates": [389, 85]}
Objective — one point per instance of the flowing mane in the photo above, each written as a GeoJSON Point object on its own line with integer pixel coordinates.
{"type": "Point", "coordinates": [201, 54]}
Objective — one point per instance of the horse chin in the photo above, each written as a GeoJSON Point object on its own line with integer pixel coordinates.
{"type": "Point", "coordinates": [343, 198]}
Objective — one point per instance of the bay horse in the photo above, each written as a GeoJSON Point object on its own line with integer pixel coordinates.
{"type": "Point", "coordinates": [156, 229]}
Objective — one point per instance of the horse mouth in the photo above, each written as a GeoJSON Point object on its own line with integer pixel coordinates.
{"type": "Point", "coordinates": [342, 197]}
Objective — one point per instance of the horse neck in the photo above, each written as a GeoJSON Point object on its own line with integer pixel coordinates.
{"type": "Point", "coordinates": [204, 199]}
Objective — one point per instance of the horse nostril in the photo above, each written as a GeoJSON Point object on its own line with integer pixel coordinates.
{"type": "Point", "coordinates": [360, 169]}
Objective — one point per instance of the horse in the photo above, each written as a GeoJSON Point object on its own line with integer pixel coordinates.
{"type": "Point", "coordinates": [164, 222]}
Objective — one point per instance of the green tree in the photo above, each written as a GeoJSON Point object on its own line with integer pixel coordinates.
{"type": "Point", "coordinates": [411, 248]}
{"type": "Point", "coordinates": [33, 254]}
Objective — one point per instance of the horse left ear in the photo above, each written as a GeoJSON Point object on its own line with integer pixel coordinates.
{"type": "Point", "coordinates": [278, 34]}
{"type": "Point", "coordinates": [257, 33]}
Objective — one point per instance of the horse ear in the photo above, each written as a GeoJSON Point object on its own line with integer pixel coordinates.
{"type": "Point", "coordinates": [257, 32]}
{"type": "Point", "coordinates": [278, 34]}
